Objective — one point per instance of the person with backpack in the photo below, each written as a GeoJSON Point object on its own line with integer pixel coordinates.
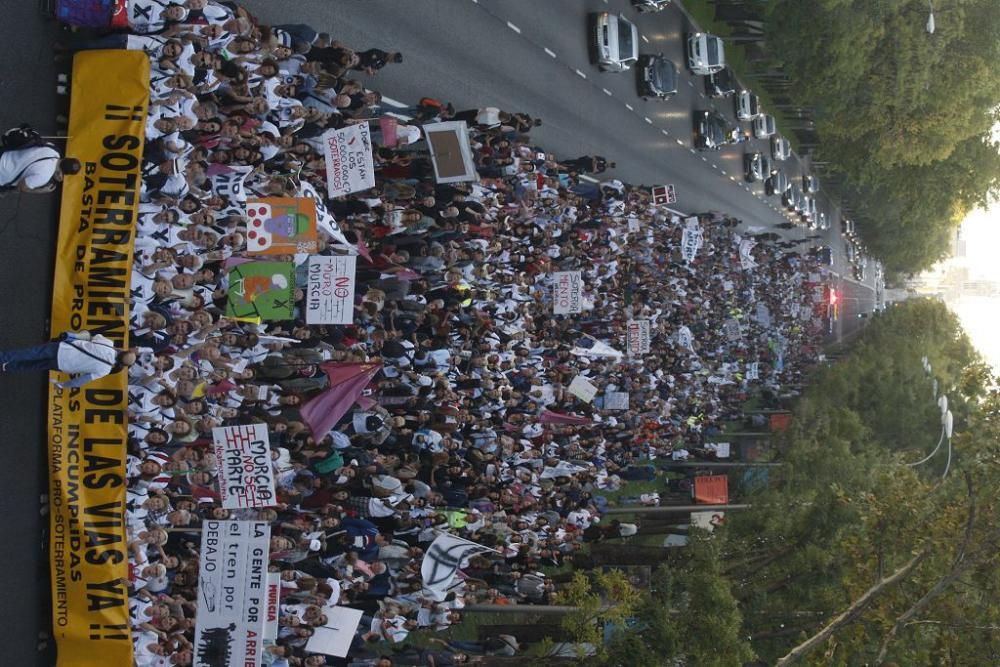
{"type": "Point", "coordinates": [29, 164]}
{"type": "Point", "coordinates": [76, 353]}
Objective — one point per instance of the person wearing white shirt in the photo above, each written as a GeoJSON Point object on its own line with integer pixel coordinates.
{"type": "Point", "coordinates": [36, 169]}
{"type": "Point", "coordinates": [80, 354]}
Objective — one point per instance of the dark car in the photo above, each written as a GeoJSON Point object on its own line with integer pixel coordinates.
{"type": "Point", "coordinates": [657, 77]}
{"type": "Point", "coordinates": [713, 130]}
{"type": "Point", "coordinates": [793, 199]}
{"type": "Point", "coordinates": [720, 84]}
{"type": "Point", "coordinates": [823, 254]}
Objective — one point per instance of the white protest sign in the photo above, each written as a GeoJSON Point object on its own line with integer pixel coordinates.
{"type": "Point", "coordinates": [273, 609]}
{"type": "Point", "coordinates": [731, 328]}
{"type": "Point", "coordinates": [763, 315]}
{"type": "Point", "coordinates": [753, 371]}
{"type": "Point", "coordinates": [637, 337]}
{"type": "Point", "coordinates": [616, 400]}
{"type": "Point", "coordinates": [707, 520]}
{"type": "Point", "coordinates": [691, 240]}
{"type": "Point", "coordinates": [685, 338]}
{"type": "Point", "coordinates": [349, 164]}
{"type": "Point", "coordinates": [567, 292]}
{"type": "Point", "coordinates": [721, 449]}
{"type": "Point", "coordinates": [330, 294]}
{"type": "Point", "coordinates": [232, 602]}
{"type": "Point", "coordinates": [747, 261]}
{"type": "Point", "coordinates": [582, 388]}
{"type": "Point", "coordinates": [243, 460]}
{"type": "Point", "coordinates": [336, 636]}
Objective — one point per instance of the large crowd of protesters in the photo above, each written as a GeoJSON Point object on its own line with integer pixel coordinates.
{"type": "Point", "coordinates": [454, 300]}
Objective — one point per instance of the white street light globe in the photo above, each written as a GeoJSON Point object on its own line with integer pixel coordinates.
{"type": "Point", "coordinates": [943, 404]}
{"type": "Point", "coordinates": [930, 24]}
{"type": "Point", "coordinates": [934, 387]}
{"type": "Point", "coordinates": [948, 422]}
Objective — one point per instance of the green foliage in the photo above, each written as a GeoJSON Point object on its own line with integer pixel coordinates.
{"type": "Point", "coordinates": [906, 117]}
{"type": "Point", "coordinates": [690, 617]}
{"type": "Point", "coordinates": [847, 512]}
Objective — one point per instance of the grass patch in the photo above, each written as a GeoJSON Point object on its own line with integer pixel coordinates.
{"type": "Point", "coordinates": [703, 13]}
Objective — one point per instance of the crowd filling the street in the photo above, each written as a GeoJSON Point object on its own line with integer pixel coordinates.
{"type": "Point", "coordinates": [419, 391]}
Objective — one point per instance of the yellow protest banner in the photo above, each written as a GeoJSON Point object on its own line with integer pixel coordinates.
{"type": "Point", "coordinates": [87, 426]}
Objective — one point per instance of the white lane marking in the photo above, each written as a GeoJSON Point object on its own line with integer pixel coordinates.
{"type": "Point", "coordinates": [715, 166]}
{"type": "Point", "coordinates": [723, 171]}
{"type": "Point", "coordinates": [629, 107]}
{"type": "Point", "coordinates": [679, 142]}
{"type": "Point", "coordinates": [704, 159]}
{"type": "Point", "coordinates": [691, 83]}
{"type": "Point", "coordinates": [589, 179]}
{"type": "Point", "coordinates": [513, 27]}
{"type": "Point", "coordinates": [580, 74]}
{"type": "Point", "coordinates": [693, 150]}
{"type": "Point", "coordinates": [550, 52]}
{"type": "Point", "coordinates": [392, 102]}
{"type": "Point", "coordinates": [644, 39]}
{"type": "Point", "coordinates": [607, 92]}
{"type": "Point", "coordinates": [646, 118]}
{"type": "Point", "coordinates": [665, 133]}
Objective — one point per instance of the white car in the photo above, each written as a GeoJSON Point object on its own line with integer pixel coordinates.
{"type": "Point", "coordinates": [650, 5]}
{"type": "Point", "coordinates": [747, 105]}
{"type": "Point", "coordinates": [616, 42]}
{"type": "Point", "coordinates": [763, 126]}
{"type": "Point", "coordinates": [757, 166]}
{"type": "Point", "coordinates": [781, 148]}
{"type": "Point", "coordinates": [705, 53]}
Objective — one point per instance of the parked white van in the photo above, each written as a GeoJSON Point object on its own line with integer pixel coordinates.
{"type": "Point", "coordinates": [705, 53]}
{"type": "Point", "coordinates": [616, 42]}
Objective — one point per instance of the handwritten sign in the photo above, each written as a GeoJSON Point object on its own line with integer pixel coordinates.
{"type": "Point", "coordinates": [349, 163]}
{"type": "Point", "coordinates": [637, 337]}
{"type": "Point", "coordinates": [330, 295]}
{"type": "Point", "coordinates": [583, 389]}
{"type": "Point", "coordinates": [567, 292]}
{"type": "Point", "coordinates": [243, 459]}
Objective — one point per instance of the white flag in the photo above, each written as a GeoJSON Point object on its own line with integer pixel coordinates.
{"type": "Point", "coordinates": [443, 558]}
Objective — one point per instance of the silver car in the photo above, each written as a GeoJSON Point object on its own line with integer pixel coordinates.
{"type": "Point", "coordinates": [616, 42]}
{"type": "Point", "coordinates": [781, 148]}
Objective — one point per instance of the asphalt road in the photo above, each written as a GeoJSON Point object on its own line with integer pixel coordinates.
{"type": "Point", "coordinates": [27, 240]}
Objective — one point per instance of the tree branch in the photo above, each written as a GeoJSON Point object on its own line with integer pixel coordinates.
{"type": "Point", "coordinates": [851, 612]}
{"type": "Point", "coordinates": [958, 567]}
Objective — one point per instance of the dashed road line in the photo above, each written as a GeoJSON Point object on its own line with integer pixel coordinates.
{"type": "Point", "coordinates": [629, 107]}
{"type": "Point", "coordinates": [513, 27]}
{"type": "Point", "coordinates": [644, 39]}
{"type": "Point", "coordinates": [580, 74]}
{"type": "Point", "coordinates": [550, 52]}
{"type": "Point", "coordinates": [646, 118]}
{"type": "Point", "coordinates": [607, 92]}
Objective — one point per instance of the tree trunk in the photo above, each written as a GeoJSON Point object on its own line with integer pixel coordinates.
{"type": "Point", "coordinates": [532, 633]}
{"type": "Point", "coordinates": [627, 554]}
{"type": "Point", "coordinates": [851, 612]}
{"type": "Point", "coordinates": [672, 509]}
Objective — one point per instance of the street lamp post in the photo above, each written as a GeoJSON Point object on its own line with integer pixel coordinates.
{"type": "Point", "coordinates": [947, 421]}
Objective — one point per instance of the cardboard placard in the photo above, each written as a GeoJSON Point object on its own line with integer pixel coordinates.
{"type": "Point", "coordinates": [243, 463]}
{"type": "Point", "coordinates": [350, 166]}
{"type": "Point", "coordinates": [567, 292]}
{"type": "Point", "coordinates": [330, 293]}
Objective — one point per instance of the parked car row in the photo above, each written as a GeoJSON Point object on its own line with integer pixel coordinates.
{"type": "Point", "coordinates": [615, 48]}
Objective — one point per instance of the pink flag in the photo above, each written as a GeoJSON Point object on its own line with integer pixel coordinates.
{"type": "Point", "coordinates": [549, 417]}
{"type": "Point", "coordinates": [388, 126]}
{"type": "Point", "coordinates": [347, 381]}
